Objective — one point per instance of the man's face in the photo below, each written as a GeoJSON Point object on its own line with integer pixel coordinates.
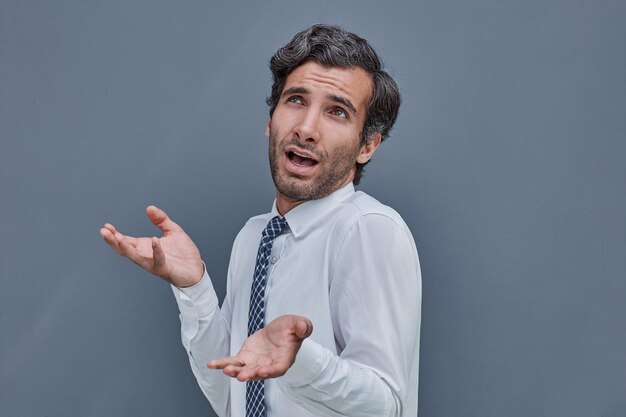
{"type": "Point", "coordinates": [315, 131]}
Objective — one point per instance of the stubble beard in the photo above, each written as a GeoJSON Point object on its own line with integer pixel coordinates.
{"type": "Point", "coordinates": [333, 171]}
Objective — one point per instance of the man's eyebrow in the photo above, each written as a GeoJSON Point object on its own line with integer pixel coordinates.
{"type": "Point", "coordinates": [295, 90]}
{"type": "Point", "coordinates": [342, 100]}
{"type": "Point", "coordinates": [333, 97]}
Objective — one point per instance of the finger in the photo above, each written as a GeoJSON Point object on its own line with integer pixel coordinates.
{"type": "Point", "coordinates": [160, 219]}
{"type": "Point", "coordinates": [110, 240]}
{"type": "Point", "coordinates": [304, 328]}
{"type": "Point", "coordinates": [131, 252]}
{"type": "Point", "coordinates": [232, 370]}
{"type": "Point", "coordinates": [110, 227]}
{"type": "Point", "coordinates": [221, 363]}
{"type": "Point", "coordinates": [113, 230]}
{"type": "Point", "coordinates": [249, 373]}
{"type": "Point", "coordinates": [158, 255]}
{"type": "Point", "coordinates": [272, 371]}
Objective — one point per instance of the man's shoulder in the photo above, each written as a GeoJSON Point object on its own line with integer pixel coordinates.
{"type": "Point", "coordinates": [360, 205]}
{"type": "Point", "coordinates": [367, 224]}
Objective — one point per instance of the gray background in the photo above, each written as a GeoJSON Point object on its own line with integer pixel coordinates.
{"type": "Point", "coordinates": [508, 162]}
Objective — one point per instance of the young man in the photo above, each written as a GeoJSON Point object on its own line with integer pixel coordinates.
{"type": "Point", "coordinates": [322, 312]}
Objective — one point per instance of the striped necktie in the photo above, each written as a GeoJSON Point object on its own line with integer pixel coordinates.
{"type": "Point", "coordinates": [255, 390]}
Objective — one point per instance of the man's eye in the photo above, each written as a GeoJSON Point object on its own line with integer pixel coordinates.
{"type": "Point", "coordinates": [295, 99]}
{"type": "Point", "coordinates": [339, 113]}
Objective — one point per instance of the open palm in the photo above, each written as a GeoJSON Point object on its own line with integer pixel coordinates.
{"type": "Point", "coordinates": [269, 352]}
{"type": "Point", "coordinates": [173, 257]}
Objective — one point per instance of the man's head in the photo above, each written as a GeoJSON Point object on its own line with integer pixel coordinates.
{"type": "Point", "coordinates": [332, 48]}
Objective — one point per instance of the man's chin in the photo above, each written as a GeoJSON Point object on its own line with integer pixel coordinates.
{"type": "Point", "coordinates": [298, 188]}
{"type": "Point", "coordinates": [295, 191]}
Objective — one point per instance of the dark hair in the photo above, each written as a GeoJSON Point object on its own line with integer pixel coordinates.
{"type": "Point", "coordinates": [333, 46]}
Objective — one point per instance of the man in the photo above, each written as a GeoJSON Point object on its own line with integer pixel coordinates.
{"type": "Point", "coordinates": [322, 312]}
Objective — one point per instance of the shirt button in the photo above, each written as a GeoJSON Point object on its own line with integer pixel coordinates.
{"type": "Point", "coordinates": [274, 259]}
{"type": "Point", "coordinates": [299, 229]}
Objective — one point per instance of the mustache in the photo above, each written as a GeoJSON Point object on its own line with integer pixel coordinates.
{"type": "Point", "coordinates": [295, 142]}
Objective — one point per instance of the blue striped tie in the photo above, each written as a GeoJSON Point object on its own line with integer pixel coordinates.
{"type": "Point", "coordinates": [255, 390]}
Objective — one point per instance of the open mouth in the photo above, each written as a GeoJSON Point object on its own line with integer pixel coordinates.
{"type": "Point", "coordinates": [301, 160]}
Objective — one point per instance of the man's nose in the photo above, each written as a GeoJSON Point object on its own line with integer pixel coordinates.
{"type": "Point", "coordinates": [307, 128]}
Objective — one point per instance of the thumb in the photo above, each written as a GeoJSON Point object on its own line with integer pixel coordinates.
{"type": "Point", "coordinates": [303, 328]}
{"type": "Point", "coordinates": [160, 219]}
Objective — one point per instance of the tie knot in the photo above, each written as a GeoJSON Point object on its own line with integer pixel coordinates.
{"type": "Point", "coordinates": [275, 227]}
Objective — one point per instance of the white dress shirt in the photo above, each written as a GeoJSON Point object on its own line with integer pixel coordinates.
{"type": "Point", "coordinates": [348, 263]}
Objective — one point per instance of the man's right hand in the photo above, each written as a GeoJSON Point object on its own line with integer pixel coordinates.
{"type": "Point", "coordinates": [173, 257]}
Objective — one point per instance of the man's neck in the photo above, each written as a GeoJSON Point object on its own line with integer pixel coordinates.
{"type": "Point", "coordinates": [284, 204]}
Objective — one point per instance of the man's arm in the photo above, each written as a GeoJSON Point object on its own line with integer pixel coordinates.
{"type": "Point", "coordinates": [375, 299]}
{"type": "Point", "coordinates": [204, 328]}
{"type": "Point", "coordinates": [205, 334]}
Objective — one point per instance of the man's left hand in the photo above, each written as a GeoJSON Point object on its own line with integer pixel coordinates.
{"type": "Point", "coordinates": [269, 352]}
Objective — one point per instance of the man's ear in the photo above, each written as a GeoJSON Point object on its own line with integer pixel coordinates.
{"type": "Point", "coordinates": [368, 148]}
{"type": "Point", "coordinates": [267, 128]}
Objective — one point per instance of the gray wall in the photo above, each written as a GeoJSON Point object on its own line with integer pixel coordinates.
{"type": "Point", "coordinates": [508, 162]}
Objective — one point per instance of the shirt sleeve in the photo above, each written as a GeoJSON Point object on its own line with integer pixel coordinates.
{"type": "Point", "coordinates": [205, 333]}
{"type": "Point", "coordinates": [376, 307]}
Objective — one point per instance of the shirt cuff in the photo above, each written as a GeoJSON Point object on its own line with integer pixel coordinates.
{"type": "Point", "coordinates": [310, 361]}
{"type": "Point", "coordinates": [199, 300]}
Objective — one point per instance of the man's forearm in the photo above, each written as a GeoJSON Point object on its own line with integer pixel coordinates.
{"type": "Point", "coordinates": [205, 334]}
{"type": "Point", "coordinates": [324, 383]}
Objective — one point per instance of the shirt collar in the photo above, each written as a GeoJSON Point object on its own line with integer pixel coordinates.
{"type": "Point", "coordinates": [301, 217]}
